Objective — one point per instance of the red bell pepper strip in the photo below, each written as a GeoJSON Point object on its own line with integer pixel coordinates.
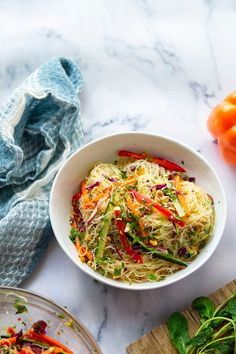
{"type": "Point", "coordinates": [143, 199]}
{"type": "Point", "coordinates": [158, 160]}
{"type": "Point", "coordinates": [129, 250]}
{"type": "Point", "coordinates": [76, 197]}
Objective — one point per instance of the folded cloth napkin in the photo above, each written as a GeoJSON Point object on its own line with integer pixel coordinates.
{"type": "Point", "coordinates": [39, 128]}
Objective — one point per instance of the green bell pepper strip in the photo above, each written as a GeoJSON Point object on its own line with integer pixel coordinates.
{"type": "Point", "coordinates": [165, 257]}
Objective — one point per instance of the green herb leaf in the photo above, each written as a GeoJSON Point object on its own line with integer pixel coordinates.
{"type": "Point", "coordinates": [178, 331]}
{"type": "Point", "coordinates": [204, 306]}
{"type": "Point", "coordinates": [20, 307]}
{"type": "Point", "coordinates": [117, 272]}
{"type": "Point", "coordinates": [229, 310]}
{"type": "Point", "coordinates": [220, 347]}
{"type": "Point", "coordinates": [123, 212]}
{"type": "Point", "coordinates": [203, 337]}
{"type": "Point", "coordinates": [152, 277]}
{"type": "Point", "coordinates": [75, 233]}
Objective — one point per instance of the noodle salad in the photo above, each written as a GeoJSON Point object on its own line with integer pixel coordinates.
{"type": "Point", "coordinates": [140, 218]}
{"type": "Point", "coordinates": [33, 341]}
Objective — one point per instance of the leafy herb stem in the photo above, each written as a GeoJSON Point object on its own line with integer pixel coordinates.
{"type": "Point", "coordinates": [192, 349]}
{"type": "Point", "coordinates": [216, 341]}
{"type": "Point", "coordinates": [211, 320]}
{"type": "Point", "coordinates": [224, 303]}
{"type": "Point", "coordinates": [222, 331]}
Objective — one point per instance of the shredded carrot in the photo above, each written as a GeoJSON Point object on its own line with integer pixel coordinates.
{"type": "Point", "coordinates": [28, 350]}
{"type": "Point", "coordinates": [51, 341]}
{"type": "Point", "coordinates": [8, 341]}
{"type": "Point", "coordinates": [56, 350]}
{"type": "Point", "coordinates": [102, 194]}
{"type": "Point", "coordinates": [129, 180]}
{"type": "Point", "coordinates": [88, 205]}
{"type": "Point", "coordinates": [181, 198]}
{"type": "Point", "coordinates": [135, 211]}
{"type": "Point", "coordinates": [83, 252]}
{"type": "Point", "coordinates": [84, 192]}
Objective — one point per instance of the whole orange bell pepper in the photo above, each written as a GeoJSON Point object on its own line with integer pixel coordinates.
{"type": "Point", "coordinates": [222, 125]}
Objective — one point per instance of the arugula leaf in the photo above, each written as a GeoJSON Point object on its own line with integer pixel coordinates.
{"type": "Point", "coordinates": [204, 307]}
{"type": "Point", "coordinates": [20, 307]}
{"type": "Point", "coordinates": [178, 331]}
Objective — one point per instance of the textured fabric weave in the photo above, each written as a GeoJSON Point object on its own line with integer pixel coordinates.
{"type": "Point", "coordinates": [39, 128]}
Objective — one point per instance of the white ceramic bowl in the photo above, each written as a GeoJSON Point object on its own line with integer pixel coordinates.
{"type": "Point", "coordinates": [70, 175]}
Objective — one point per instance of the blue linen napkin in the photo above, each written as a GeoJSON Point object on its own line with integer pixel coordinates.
{"type": "Point", "coordinates": [39, 128]}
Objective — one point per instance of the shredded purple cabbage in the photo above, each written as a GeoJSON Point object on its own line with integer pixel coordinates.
{"type": "Point", "coordinates": [88, 188]}
{"type": "Point", "coordinates": [158, 186]}
{"type": "Point", "coordinates": [133, 168]}
{"type": "Point", "coordinates": [182, 251]}
{"type": "Point", "coordinates": [18, 336]}
{"type": "Point", "coordinates": [192, 179]}
{"type": "Point", "coordinates": [111, 179]}
{"type": "Point", "coordinates": [35, 348]}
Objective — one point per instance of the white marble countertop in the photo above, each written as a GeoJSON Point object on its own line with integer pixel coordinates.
{"type": "Point", "coordinates": [149, 65]}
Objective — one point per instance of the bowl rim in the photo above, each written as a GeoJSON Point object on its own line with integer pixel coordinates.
{"type": "Point", "coordinates": [168, 280]}
{"type": "Point", "coordinates": [60, 308]}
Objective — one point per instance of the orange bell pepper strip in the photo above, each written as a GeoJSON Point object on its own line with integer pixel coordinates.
{"type": "Point", "coordinates": [181, 198]}
{"type": "Point", "coordinates": [222, 125]}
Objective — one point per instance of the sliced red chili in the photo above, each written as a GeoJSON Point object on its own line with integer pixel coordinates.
{"type": "Point", "coordinates": [158, 160]}
{"type": "Point", "coordinates": [143, 199]}
{"type": "Point", "coordinates": [121, 227]}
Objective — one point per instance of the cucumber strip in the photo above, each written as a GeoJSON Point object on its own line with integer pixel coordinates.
{"type": "Point", "coordinates": [106, 222]}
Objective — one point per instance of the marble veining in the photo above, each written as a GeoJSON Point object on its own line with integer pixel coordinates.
{"type": "Point", "coordinates": [150, 65]}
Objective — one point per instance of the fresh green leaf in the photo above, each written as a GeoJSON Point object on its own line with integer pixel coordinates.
{"type": "Point", "coordinates": [178, 331]}
{"type": "Point", "coordinates": [220, 347]}
{"type": "Point", "coordinates": [229, 310]}
{"type": "Point", "coordinates": [204, 307]}
{"type": "Point", "coordinates": [20, 307]}
{"type": "Point", "coordinates": [202, 338]}
{"type": "Point", "coordinates": [61, 316]}
{"type": "Point", "coordinates": [123, 212]}
{"type": "Point", "coordinates": [123, 175]}
{"type": "Point", "coordinates": [117, 272]}
{"type": "Point", "coordinates": [152, 277]}
{"type": "Point", "coordinates": [73, 234]}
